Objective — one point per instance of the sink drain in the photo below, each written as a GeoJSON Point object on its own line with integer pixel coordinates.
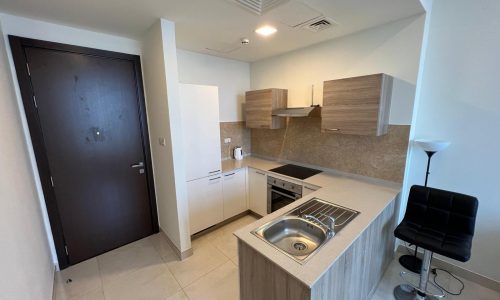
{"type": "Point", "coordinates": [299, 246]}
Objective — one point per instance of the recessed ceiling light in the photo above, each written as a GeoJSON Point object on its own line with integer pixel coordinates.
{"type": "Point", "coordinates": [266, 30]}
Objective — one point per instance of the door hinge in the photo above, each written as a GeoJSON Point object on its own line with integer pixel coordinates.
{"type": "Point", "coordinates": [28, 68]}
{"type": "Point", "coordinates": [66, 250]}
{"type": "Point", "coordinates": [52, 181]}
{"type": "Point", "coordinates": [34, 101]}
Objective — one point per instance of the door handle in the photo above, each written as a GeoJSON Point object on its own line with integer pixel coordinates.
{"type": "Point", "coordinates": [138, 165]}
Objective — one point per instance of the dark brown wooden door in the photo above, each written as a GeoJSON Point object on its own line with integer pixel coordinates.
{"type": "Point", "coordinates": [89, 113]}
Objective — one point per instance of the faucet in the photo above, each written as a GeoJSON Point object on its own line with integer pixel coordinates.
{"type": "Point", "coordinates": [331, 222]}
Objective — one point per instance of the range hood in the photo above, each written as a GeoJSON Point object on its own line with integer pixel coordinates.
{"type": "Point", "coordinates": [310, 111]}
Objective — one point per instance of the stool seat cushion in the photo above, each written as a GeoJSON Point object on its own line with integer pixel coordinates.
{"type": "Point", "coordinates": [440, 221]}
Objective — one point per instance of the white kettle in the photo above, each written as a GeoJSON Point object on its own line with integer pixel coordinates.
{"type": "Point", "coordinates": [238, 153]}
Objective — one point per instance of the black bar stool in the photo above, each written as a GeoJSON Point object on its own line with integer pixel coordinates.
{"type": "Point", "coordinates": [439, 222]}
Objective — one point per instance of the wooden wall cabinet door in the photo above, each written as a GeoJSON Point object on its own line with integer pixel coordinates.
{"type": "Point", "coordinates": [357, 105]}
{"type": "Point", "coordinates": [259, 106]}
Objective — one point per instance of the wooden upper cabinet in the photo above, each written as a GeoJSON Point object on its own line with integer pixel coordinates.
{"type": "Point", "coordinates": [259, 106]}
{"type": "Point", "coordinates": [358, 105]}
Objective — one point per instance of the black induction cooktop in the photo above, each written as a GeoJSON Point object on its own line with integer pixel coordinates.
{"type": "Point", "coordinates": [295, 171]}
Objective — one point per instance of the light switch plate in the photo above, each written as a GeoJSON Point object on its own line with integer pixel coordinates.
{"type": "Point", "coordinates": [227, 140]}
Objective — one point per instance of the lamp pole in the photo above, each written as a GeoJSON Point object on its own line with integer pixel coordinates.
{"type": "Point", "coordinates": [412, 262]}
{"type": "Point", "coordinates": [429, 155]}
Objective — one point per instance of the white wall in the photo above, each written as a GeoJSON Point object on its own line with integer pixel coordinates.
{"type": "Point", "coordinates": [164, 113]}
{"type": "Point", "coordinates": [41, 30]}
{"type": "Point", "coordinates": [231, 76]}
{"type": "Point", "coordinates": [459, 101]}
{"type": "Point", "coordinates": [392, 48]}
{"type": "Point", "coordinates": [14, 25]}
{"type": "Point", "coordinates": [27, 268]}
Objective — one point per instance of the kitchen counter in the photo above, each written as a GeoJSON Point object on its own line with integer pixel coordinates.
{"type": "Point", "coordinates": [369, 198]}
{"type": "Point", "coordinates": [249, 161]}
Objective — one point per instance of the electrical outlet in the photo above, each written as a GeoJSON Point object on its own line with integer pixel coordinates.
{"type": "Point", "coordinates": [162, 141]}
{"type": "Point", "coordinates": [227, 140]}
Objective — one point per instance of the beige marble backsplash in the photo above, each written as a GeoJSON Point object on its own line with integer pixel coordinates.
{"type": "Point", "coordinates": [381, 157]}
{"type": "Point", "coordinates": [239, 134]}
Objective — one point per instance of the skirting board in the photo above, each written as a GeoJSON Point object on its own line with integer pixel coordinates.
{"type": "Point", "coordinates": [221, 224]}
{"type": "Point", "coordinates": [180, 255]}
{"type": "Point", "coordinates": [457, 270]}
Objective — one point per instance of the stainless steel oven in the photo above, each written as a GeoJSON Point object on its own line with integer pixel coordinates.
{"type": "Point", "coordinates": [280, 193]}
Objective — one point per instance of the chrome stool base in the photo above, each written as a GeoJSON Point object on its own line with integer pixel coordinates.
{"type": "Point", "coordinates": [407, 292]}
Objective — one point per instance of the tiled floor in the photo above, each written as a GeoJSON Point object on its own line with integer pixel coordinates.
{"type": "Point", "coordinates": [471, 291]}
{"type": "Point", "coordinates": [148, 269]}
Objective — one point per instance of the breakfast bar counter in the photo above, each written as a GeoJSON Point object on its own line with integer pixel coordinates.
{"type": "Point", "coordinates": [349, 266]}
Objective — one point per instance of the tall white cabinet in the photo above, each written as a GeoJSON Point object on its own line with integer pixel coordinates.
{"type": "Point", "coordinates": [200, 123]}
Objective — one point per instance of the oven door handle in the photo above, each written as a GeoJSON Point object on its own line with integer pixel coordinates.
{"type": "Point", "coordinates": [283, 194]}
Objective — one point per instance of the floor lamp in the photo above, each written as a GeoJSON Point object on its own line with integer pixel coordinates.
{"type": "Point", "coordinates": [412, 262]}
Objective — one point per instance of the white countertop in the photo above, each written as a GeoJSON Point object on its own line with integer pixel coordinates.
{"type": "Point", "coordinates": [369, 198]}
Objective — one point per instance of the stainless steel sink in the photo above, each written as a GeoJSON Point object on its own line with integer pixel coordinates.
{"type": "Point", "coordinates": [302, 231]}
{"type": "Point", "coordinates": [294, 235]}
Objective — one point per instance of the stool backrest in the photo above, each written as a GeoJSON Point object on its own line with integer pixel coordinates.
{"type": "Point", "coordinates": [442, 211]}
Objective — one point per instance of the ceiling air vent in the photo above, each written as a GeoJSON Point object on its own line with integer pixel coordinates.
{"type": "Point", "coordinates": [259, 7]}
{"type": "Point", "coordinates": [318, 24]}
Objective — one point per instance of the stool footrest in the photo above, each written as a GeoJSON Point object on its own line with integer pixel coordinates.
{"type": "Point", "coordinates": [413, 280]}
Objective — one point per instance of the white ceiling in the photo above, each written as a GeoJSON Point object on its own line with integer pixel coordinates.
{"type": "Point", "coordinates": [218, 24]}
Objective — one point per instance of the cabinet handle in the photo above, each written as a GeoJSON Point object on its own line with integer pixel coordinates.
{"type": "Point", "coordinates": [214, 178]}
{"type": "Point", "coordinates": [214, 172]}
{"type": "Point", "coordinates": [229, 174]}
{"type": "Point", "coordinates": [332, 129]}
{"type": "Point", "coordinates": [308, 188]}
{"type": "Point", "coordinates": [260, 173]}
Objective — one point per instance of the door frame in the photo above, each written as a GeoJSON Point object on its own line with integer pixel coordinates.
{"type": "Point", "coordinates": [17, 45]}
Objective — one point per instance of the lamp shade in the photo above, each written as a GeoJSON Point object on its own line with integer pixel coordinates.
{"type": "Point", "coordinates": [432, 145]}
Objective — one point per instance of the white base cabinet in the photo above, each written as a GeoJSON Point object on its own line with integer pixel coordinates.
{"type": "Point", "coordinates": [257, 191]}
{"type": "Point", "coordinates": [205, 202]}
{"type": "Point", "coordinates": [234, 193]}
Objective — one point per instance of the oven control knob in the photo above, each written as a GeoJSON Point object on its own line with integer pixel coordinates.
{"type": "Point", "coordinates": [283, 184]}
{"type": "Point", "coordinates": [293, 187]}
{"type": "Point", "coordinates": [274, 181]}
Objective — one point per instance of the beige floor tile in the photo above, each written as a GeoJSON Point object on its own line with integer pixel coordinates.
{"type": "Point", "coordinates": [240, 223]}
{"type": "Point", "coordinates": [204, 239]}
{"type": "Point", "coordinates": [163, 248]}
{"type": "Point", "coordinates": [178, 296]}
{"type": "Point", "coordinates": [204, 259]}
{"type": "Point", "coordinates": [472, 290]}
{"type": "Point", "coordinates": [93, 295]}
{"type": "Point", "coordinates": [124, 260]}
{"type": "Point", "coordinates": [227, 243]}
{"type": "Point", "coordinates": [235, 260]}
{"type": "Point", "coordinates": [223, 238]}
{"type": "Point", "coordinates": [84, 278]}
{"type": "Point", "coordinates": [150, 282]}
{"type": "Point", "coordinates": [221, 283]}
